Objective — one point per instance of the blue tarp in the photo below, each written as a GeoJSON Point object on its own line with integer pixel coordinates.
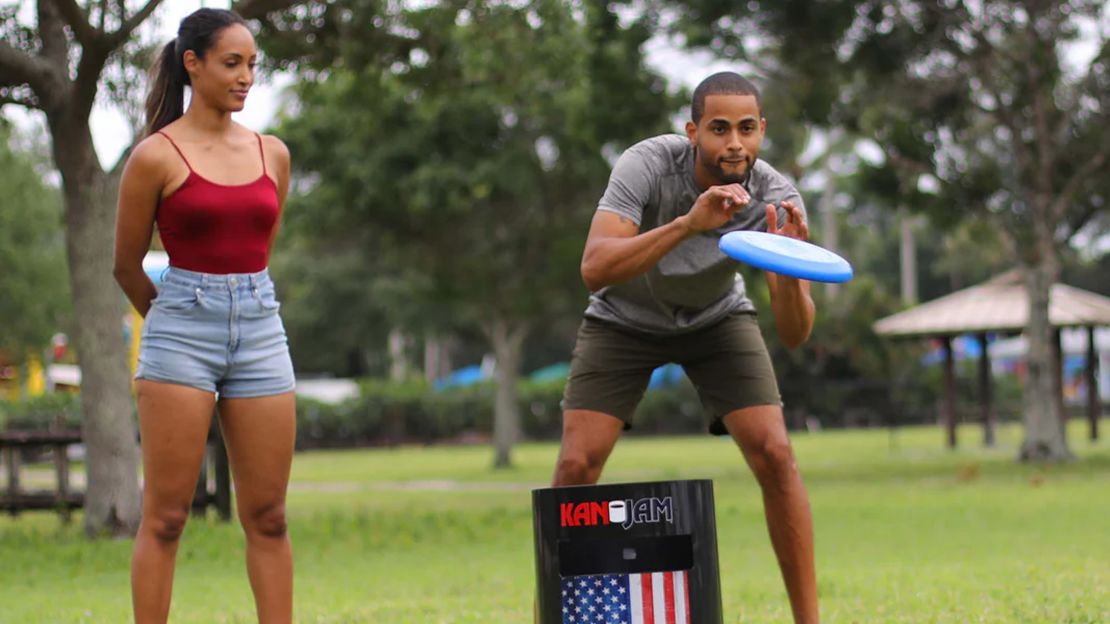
{"type": "Point", "coordinates": [663, 377]}
{"type": "Point", "coordinates": [964, 348]}
{"type": "Point", "coordinates": [559, 370]}
{"type": "Point", "coordinates": [466, 376]}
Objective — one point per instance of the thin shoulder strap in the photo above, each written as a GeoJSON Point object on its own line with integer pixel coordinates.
{"type": "Point", "coordinates": [261, 152]}
{"type": "Point", "coordinates": [177, 149]}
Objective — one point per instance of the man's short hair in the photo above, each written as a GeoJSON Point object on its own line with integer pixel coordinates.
{"type": "Point", "coordinates": [722, 83]}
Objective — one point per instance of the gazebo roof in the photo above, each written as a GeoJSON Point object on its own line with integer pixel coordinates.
{"type": "Point", "coordinates": [997, 305]}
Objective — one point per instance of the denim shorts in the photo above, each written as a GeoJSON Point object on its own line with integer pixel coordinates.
{"type": "Point", "coordinates": [217, 333]}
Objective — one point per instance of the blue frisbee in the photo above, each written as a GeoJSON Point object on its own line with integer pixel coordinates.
{"type": "Point", "coordinates": [786, 256]}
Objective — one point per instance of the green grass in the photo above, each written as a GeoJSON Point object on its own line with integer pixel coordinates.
{"type": "Point", "coordinates": [906, 532]}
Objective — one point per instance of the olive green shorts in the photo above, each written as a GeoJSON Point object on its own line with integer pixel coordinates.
{"type": "Point", "coordinates": [727, 362]}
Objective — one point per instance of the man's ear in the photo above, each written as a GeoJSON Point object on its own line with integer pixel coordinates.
{"type": "Point", "coordinates": [692, 132]}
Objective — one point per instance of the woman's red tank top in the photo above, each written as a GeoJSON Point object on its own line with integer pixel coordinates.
{"type": "Point", "coordinates": [218, 228]}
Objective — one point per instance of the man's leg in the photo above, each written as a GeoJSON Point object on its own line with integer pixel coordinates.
{"type": "Point", "coordinates": [760, 432]}
{"type": "Point", "coordinates": [609, 372]}
{"type": "Point", "coordinates": [588, 439]}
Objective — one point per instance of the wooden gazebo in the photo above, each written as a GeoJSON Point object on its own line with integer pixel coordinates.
{"type": "Point", "coordinates": [1001, 305]}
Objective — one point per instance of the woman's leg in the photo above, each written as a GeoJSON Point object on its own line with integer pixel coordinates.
{"type": "Point", "coordinates": [260, 434]}
{"type": "Point", "coordinates": [173, 422]}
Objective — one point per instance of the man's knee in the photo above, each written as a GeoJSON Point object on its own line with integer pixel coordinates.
{"type": "Point", "coordinates": [773, 463]}
{"type": "Point", "coordinates": [588, 438]}
{"type": "Point", "coordinates": [577, 468]}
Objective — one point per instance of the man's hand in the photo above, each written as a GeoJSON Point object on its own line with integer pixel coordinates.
{"type": "Point", "coordinates": [795, 226]}
{"type": "Point", "coordinates": [715, 207]}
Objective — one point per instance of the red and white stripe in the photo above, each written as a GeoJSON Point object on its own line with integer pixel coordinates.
{"type": "Point", "coordinates": [660, 598]}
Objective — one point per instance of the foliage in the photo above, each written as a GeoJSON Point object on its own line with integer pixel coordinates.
{"type": "Point", "coordinates": [38, 413]}
{"type": "Point", "coordinates": [456, 167]}
{"type": "Point", "coordinates": [34, 280]}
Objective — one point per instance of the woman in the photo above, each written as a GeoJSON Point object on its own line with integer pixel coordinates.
{"type": "Point", "coordinates": [212, 330]}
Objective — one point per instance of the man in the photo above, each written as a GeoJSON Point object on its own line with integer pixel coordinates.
{"type": "Point", "coordinates": [661, 291]}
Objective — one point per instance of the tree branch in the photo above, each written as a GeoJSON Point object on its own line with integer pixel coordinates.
{"type": "Point", "coordinates": [95, 55]}
{"type": "Point", "coordinates": [1089, 82]}
{"type": "Point", "coordinates": [1089, 168]}
{"type": "Point", "coordinates": [20, 68]}
{"type": "Point", "coordinates": [52, 34]}
{"type": "Point", "coordinates": [257, 9]}
{"type": "Point", "coordinates": [9, 98]}
{"type": "Point", "coordinates": [129, 24]}
{"type": "Point", "coordinates": [1080, 220]}
{"type": "Point", "coordinates": [76, 18]}
{"type": "Point", "coordinates": [89, 70]}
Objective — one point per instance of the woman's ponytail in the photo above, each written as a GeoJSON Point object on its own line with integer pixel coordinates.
{"type": "Point", "coordinates": [166, 101]}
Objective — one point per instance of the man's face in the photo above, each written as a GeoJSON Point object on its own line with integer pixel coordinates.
{"type": "Point", "coordinates": [727, 137]}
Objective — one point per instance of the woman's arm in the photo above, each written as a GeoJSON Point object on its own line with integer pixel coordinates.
{"type": "Point", "coordinates": [278, 155]}
{"type": "Point", "coordinates": [140, 189]}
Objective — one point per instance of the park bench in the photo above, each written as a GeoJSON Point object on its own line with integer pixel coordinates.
{"type": "Point", "coordinates": [15, 499]}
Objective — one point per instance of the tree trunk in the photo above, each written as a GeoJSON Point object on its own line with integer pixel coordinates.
{"type": "Point", "coordinates": [1044, 437]}
{"type": "Point", "coordinates": [112, 501]}
{"type": "Point", "coordinates": [508, 343]}
{"type": "Point", "coordinates": [398, 355]}
{"type": "Point", "coordinates": [830, 235]}
{"type": "Point", "coordinates": [437, 359]}
{"type": "Point", "coordinates": [908, 251]}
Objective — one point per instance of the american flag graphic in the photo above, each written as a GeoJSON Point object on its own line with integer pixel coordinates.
{"type": "Point", "coordinates": [649, 598]}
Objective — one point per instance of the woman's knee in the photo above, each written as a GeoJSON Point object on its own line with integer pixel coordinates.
{"type": "Point", "coordinates": [266, 520]}
{"type": "Point", "coordinates": [166, 524]}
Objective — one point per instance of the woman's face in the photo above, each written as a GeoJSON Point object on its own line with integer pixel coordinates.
{"type": "Point", "coordinates": [224, 76]}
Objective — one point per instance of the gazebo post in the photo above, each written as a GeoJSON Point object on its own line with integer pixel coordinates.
{"type": "Point", "coordinates": [1058, 378]}
{"type": "Point", "coordinates": [949, 405]}
{"type": "Point", "coordinates": [986, 391]}
{"type": "Point", "coordinates": [1093, 406]}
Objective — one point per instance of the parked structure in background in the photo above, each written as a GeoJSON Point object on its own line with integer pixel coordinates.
{"type": "Point", "coordinates": [1001, 306]}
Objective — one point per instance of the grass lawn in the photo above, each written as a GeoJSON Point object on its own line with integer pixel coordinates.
{"type": "Point", "coordinates": [906, 532]}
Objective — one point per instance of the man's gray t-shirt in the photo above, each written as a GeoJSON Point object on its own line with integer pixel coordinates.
{"type": "Point", "coordinates": [695, 284]}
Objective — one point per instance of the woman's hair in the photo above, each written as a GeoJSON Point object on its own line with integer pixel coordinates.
{"type": "Point", "coordinates": [197, 32]}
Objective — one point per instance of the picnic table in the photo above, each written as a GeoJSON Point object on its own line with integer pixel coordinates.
{"type": "Point", "coordinates": [15, 498]}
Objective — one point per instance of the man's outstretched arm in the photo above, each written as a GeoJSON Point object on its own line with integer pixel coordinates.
{"type": "Point", "coordinates": [793, 308]}
{"type": "Point", "coordinates": [791, 302]}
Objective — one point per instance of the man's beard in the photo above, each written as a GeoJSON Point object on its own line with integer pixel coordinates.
{"type": "Point", "coordinates": [723, 176]}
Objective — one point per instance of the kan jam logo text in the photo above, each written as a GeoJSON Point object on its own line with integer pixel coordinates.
{"type": "Point", "coordinates": [626, 513]}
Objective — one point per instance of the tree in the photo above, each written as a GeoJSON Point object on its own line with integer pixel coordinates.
{"type": "Point", "coordinates": [32, 253]}
{"type": "Point", "coordinates": [56, 66]}
{"type": "Point", "coordinates": [460, 146]}
{"type": "Point", "coordinates": [979, 98]}
{"type": "Point", "coordinates": [1012, 137]}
